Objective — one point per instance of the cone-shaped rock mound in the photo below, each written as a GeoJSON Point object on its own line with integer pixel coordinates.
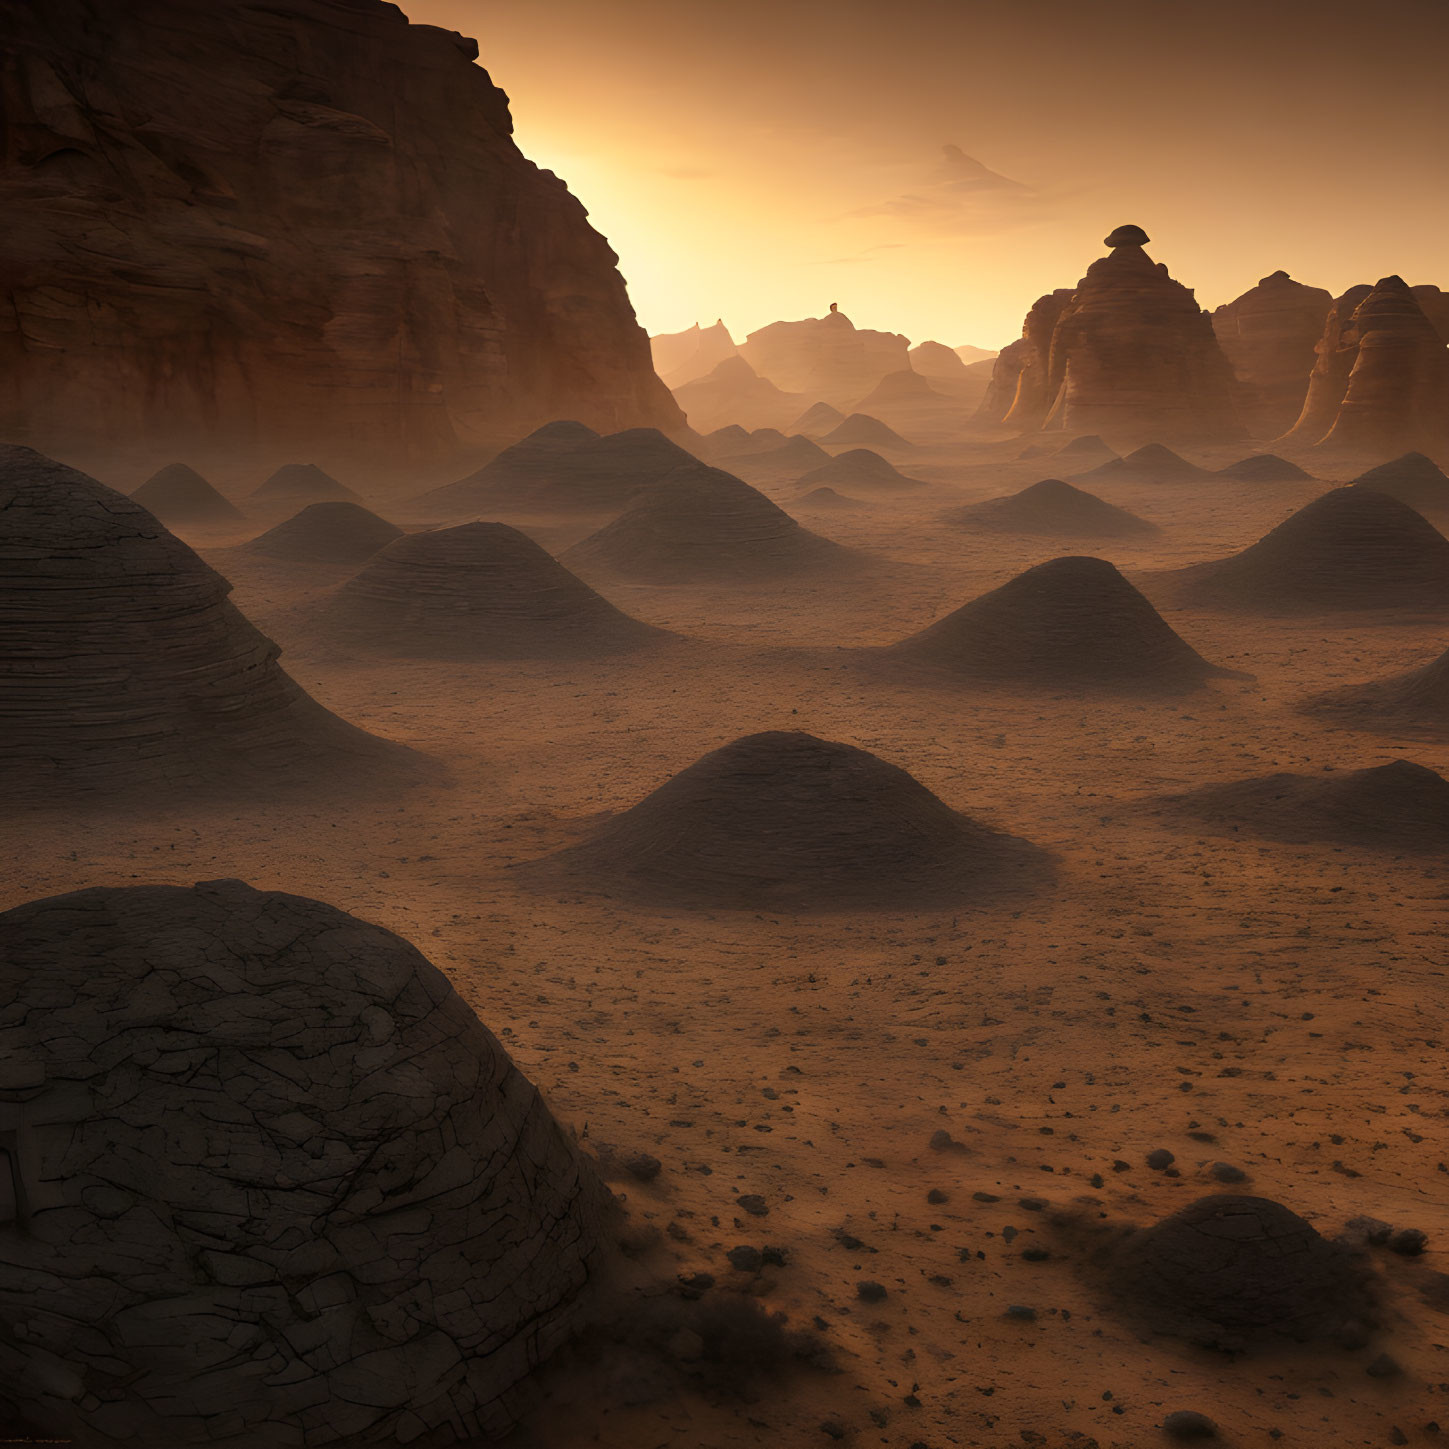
{"type": "Point", "coordinates": [791, 458]}
{"type": "Point", "coordinates": [1090, 447]}
{"type": "Point", "coordinates": [298, 484]}
{"type": "Point", "coordinates": [564, 468]}
{"type": "Point", "coordinates": [862, 430]}
{"type": "Point", "coordinates": [327, 533]}
{"type": "Point", "coordinates": [1417, 702]}
{"type": "Point", "coordinates": [125, 670]}
{"type": "Point", "coordinates": [817, 419]}
{"type": "Point", "coordinates": [1399, 806]}
{"type": "Point", "coordinates": [1265, 468]}
{"type": "Point", "coordinates": [1413, 479]}
{"type": "Point", "coordinates": [1151, 463]}
{"type": "Point", "coordinates": [1351, 549]}
{"type": "Point", "coordinates": [860, 468]}
{"type": "Point", "coordinates": [280, 1175]}
{"type": "Point", "coordinates": [1235, 1271]}
{"type": "Point", "coordinates": [827, 498]}
{"type": "Point", "coordinates": [785, 820]}
{"type": "Point", "coordinates": [481, 590]}
{"type": "Point", "coordinates": [1055, 509]}
{"type": "Point", "coordinates": [1072, 622]}
{"type": "Point", "coordinates": [704, 524]}
{"type": "Point", "coordinates": [903, 386]}
{"type": "Point", "coordinates": [180, 495]}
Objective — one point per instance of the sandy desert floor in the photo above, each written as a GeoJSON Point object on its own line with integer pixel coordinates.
{"type": "Point", "coordinates": [1279, 1008]}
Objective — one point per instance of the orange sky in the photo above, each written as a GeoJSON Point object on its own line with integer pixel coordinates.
{"type": "Point", "coordinates": [760, 159]}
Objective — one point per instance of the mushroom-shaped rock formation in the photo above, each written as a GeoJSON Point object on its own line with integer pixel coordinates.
{"type": "Point", "coordinates": [782, 821]}
{"type": "Point", "coordinates": [1151, 463]}
{"type": "Point", "coordinates": [735, 393]}
{"type": "Point", "coordinates": [294, 485]}
{"type": "Point", "coordinates": [179, 495]}
{"type": "Point", "coordinates": [1399, 806]}
{"type": "Point", "coordinates": [1126, 236]}
{"type": "Point", "coordinates": [703, 524]}
{"type": "Point", "coordinates": [1132, 356]}
{"type": "Point", "coordinates": [1070, 623]}
{"type": "Point", "coordinates": [331, 533]}
{"type": "Point", "coordinates": [1054, 509]}
{"type": "Point", "coordinates": [478, 591]}
{"type": "Point", "coordinates": [1381, 382]}
{"type": "Point", "coordinates": [1413, 702]}
{"type": "Point", "coordinates": [1270, 336]}
{"type": "Point", "coordinates": [126, 673]}
{"type": "Point", "coordinates": [1019, 394]}
{"type": "Point", "coordinates": [273, 1182]}
{"type": "Point", "coordinates": [860, 468]}
{"type": "Point", "coordinates": [1413, 479]}
{"type": "Point", "coordinates": [1233, 1271]}
{"type": "Point", "coordinates": [817, 420]}
{"type": "Point", "coordinates": [863, 431]}
{"type": "Point", "coordinates": [1352, 548]}
{"type": "Point", "coordinates": [564, 472]}
{"type": "Point", "coordinates": [1265, 468]}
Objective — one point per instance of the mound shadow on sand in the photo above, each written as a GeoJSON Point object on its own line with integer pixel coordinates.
{"type": "Point", "coordinates": [1351, 549]}
{"type": "Point", "coordinates": [1072, 623]}
{"type": "Point", "coordinates": [477, 591]}
{"type": "Point", "coordinates": [1052, 509]}
{"type": "Point", "coordinates": [326, 533]}
{"type": "Point", "coordinates": [786, 821]}
{"type": "Point", "coordinates": [1415, 702]}
{"type": "Point", "coordinates": [703, 525]}
{"type": "Point", "coordinates": [125, 672]}
{"type": "Point", "coordinates": [1400, 807]}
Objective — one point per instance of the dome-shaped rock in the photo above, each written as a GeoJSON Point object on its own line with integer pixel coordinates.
{"type": "Point", "coordinates": [179, 495]}
{"type": "Point", "coordinates": [294, 485]}
{"type": "Point", "coordinates": [333, 533]}
{"type": "Point", "coordinates": [1053, 509]}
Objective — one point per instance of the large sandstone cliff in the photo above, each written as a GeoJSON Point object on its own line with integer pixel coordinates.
{"type": "Point", "coordinates": [282, 228]}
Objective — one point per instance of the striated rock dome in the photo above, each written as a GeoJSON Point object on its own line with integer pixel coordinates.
{"type": "Point", "coordinates": [271, 1181]}
{"type": "Point", "coordinates": [860, 468]}
{"type": "Point", "coordinates": [125, 671]}
{"type": "Point", "coordinates": [782, 821]}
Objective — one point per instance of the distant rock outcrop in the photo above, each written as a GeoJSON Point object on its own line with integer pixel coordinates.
{"type": "Point", "coordinates": [478, 591]}
{"type": "Point", "coordinates": [935, 359]}
{"type": "Point", "coordinates": [1413, 479]}
{"type": "Point", "coordinates": [786, 821]}
{"type": "Point", "coordinates": [1020, 393]}
{"type": "Point", "coordinates": [704, 525]}
{"type": "Point", "coordinates": [789, 459]}
{"type": "Point", "coordinates": [1072, 623]}
{"type": "Point", "coordinates": [827, 357]}
{"type": "Point", "coordinates": [294, 485]}
{"type": "Point", "coordinates": [817, 420]}
{"type": "Point", "coordinates": [179, 495]}
{"type": "Point", "coordinates": [860, 468]}
{"type": "Point", "coordinates": [1265, 468]}
{"type": "Point", "coordinates": [1053, 509]}
{"type": "Point", "coordinates": [126, 674]}
{"type": "Point", "coordinates": [1270, 335]}
{"type": "Point", "coordinates": [863, 431]}
{"type": "Point", "coordinates": [363, 1225]}
{"type": "Point", "coordinates": [896, 389]}
{"type": "Point", "coordinates": [1416, 702]}
{"type": "Point", "coordinates": [1400, 807]}
{"type": "Point", "coordinates": [735, 393]}
{"type": "Point", "coordinates": [326, 533]}
{"type": "Point", "coordinates": [320, 239]}
{"type": "Point", "coordinates": [1151, 463]}
{"type": "Point", "coordinates": [681, 357]}
{"type": "Point", "coordinates": [1380, 385]}
{"type": "Point", "coordinates": [1351, 549]}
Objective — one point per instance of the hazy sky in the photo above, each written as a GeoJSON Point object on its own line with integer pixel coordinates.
{"type": "Point", "coordinates": [936, 165]}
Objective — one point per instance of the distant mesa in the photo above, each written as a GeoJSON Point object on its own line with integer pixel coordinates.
{"type": "Point", "coordinates": [897, 388]}
{"type": "Point", "coordinates": [796, 455]}
{"type": "Point", "coordinates": [705, 525]}
{"type": "Point", "coordinates": [814, 421]}
{"type": "Point", "coordinates": [786, 821]}
{"type": "Point", "coordinates": [862, 430]}
{"type": "Point", "coordinates": [353, 1075]}
{"type": "Point", "coordinates": [126, 674]}
{"type": "Point", "coordinates": [326, 533]}
{"type": "Point", "coordinates": [935, 359]}
{"type": "Point", "coordinates": [1237, 1273]}
{"type": "Point", "coordinates": [561, 469]}
{"type": "Point", "coordinates": [1413, 479]}
{"type": "Point", "coordinates": [1071, 623]}
{"type": "Point", "coordinates": [861, 468]}
{"type": "Point", "coordinates": [478, 591]}
{"type": "Point", "coordinates": [1380, 385]}
{"type": "Point", "coordinates": [179, 495]}
{"type": "Point", "coordinates": [1265, 468]}
{"type": "Point", "coordinates": [681, 357]}
{"type": "Point", "coordinates": [1351, 549]}
{"type": "Point", "coordinates": [1053, 509]}
{"type": "Point", "coordinates": [1270, 337]}
{"type": "Point", "coordinates": [827, 358]}
{"type": "Point", "coordinates": [1151, 463]}
{"type": "Point", "coordinates": [1414, 702]}
{"type": "Point", "coordinates": [735, 393]}
{"type": "Point", "coordinates": [297, 484]}
{"type": "Point", "coordinates": [1399, 807]}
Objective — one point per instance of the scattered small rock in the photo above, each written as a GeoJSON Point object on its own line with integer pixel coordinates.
{"type": "Point", "coordinates": [869, 1292]}
{"type": "Point", "coordinates": [1226, 1172]}
{"type": "Point", "coordinates": [1187, 1426]}
{"type": "Point", "coordinates": [1410, 1242]}
{"type": "Point", "coordinates": [1384, 1367]}
{"type": "Point", "coordinates": [1160, 1158]}
{"type": "Point", "coordinates": [937, 1196]}
{"type": "Point", "coordinates": [754, 1204]}
{"type": "Point", "coordinates": [746, 1259]}
{"type": "Point", "coordinates": [642, 1166]}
